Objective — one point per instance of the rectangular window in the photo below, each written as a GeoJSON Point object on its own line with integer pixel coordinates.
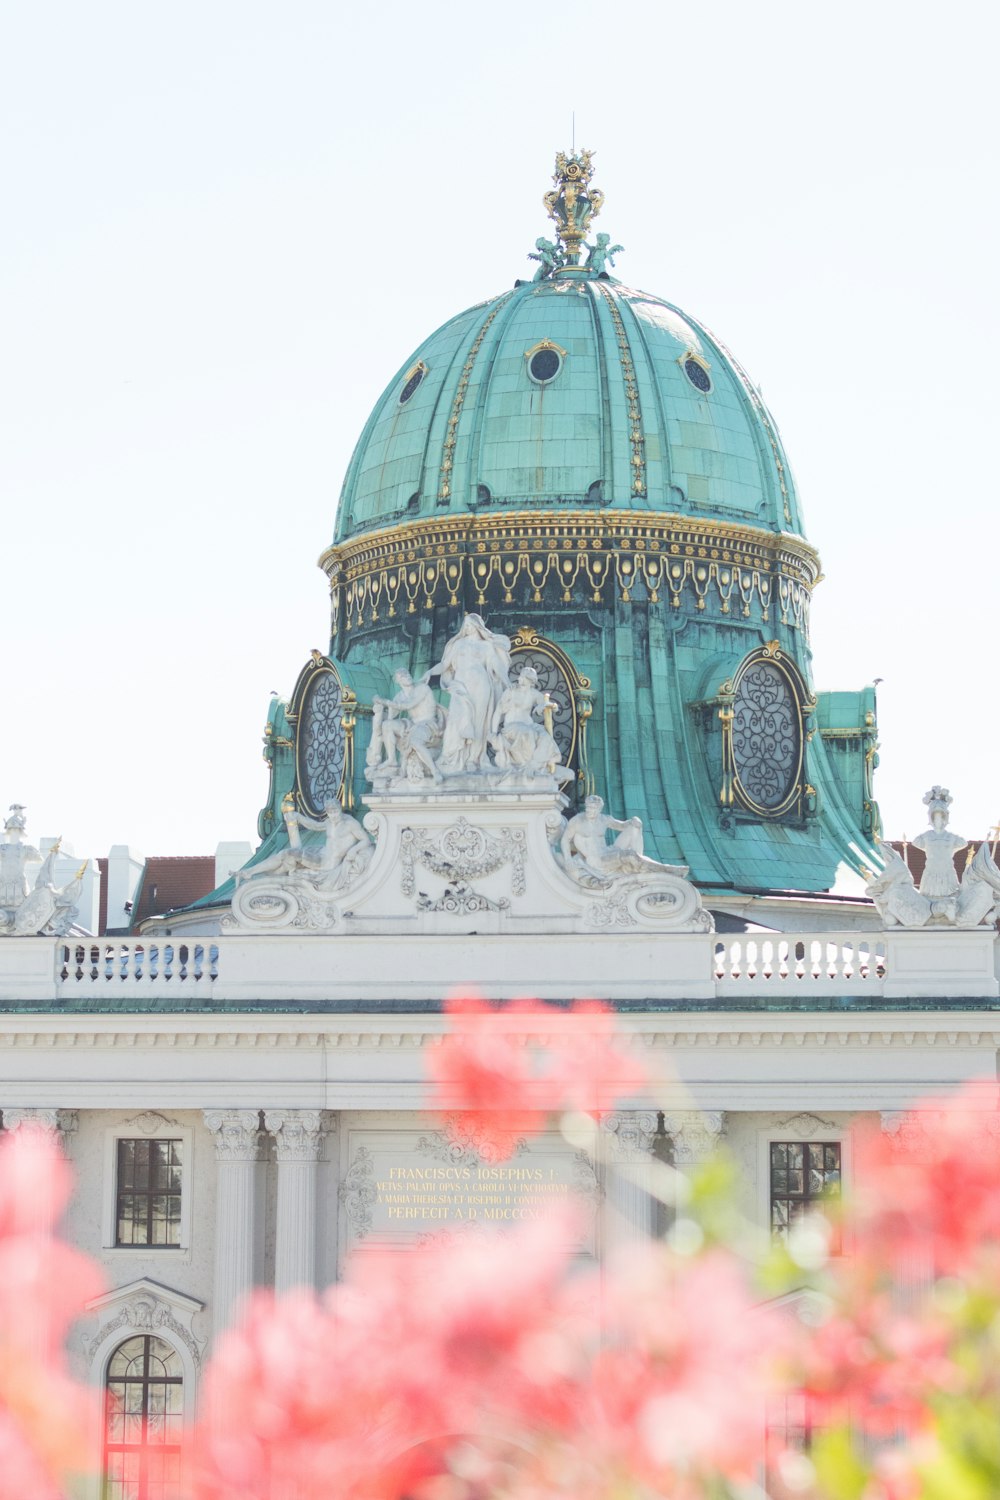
{"type": "Point", "coordinates": [148, 1193]}
{"type": "Point", "coordinates": [804, 1175]}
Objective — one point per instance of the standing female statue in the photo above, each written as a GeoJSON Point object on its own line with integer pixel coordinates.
{"type": "Point", "coordinates": [475, 670]}
{"type": "Point", "coordinates": [940, 881]}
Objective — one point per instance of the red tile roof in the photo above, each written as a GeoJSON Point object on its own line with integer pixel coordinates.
{"type": "Point", "coordinates": [170, 881]}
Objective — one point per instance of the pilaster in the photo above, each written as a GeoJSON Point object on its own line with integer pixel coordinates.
{"type": "Point", "coordinates": [236, 1134]}
{"type": "Point", "coordinates": [908, 1132]}
{"type": "Point", "coordinates": [298, 1136]}
{"type": "Point", "coordinates": [627, 1139]}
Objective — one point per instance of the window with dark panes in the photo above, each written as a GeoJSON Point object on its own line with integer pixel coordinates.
{"type": "Point", "coordinates": [143, 1424]}
{"type": "Point", "coordinates": [148, 1193]}
{"type": "Point", "coordinates": [804, 1176]}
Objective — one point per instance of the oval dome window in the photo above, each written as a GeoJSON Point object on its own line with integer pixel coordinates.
{"type": "Point", "coordinates": [412, 381]}
{"type": "Point", "coordinates": [697, 374]}
{"type": "Point", "coordinates": [544, 365]}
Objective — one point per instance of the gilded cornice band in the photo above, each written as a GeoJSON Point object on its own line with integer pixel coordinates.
{"type": "Point", "coordinates": [738, 569]}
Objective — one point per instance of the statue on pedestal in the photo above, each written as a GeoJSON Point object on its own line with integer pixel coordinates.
{"type": "Point", "coordinates": [339, 863]}
{"type": "Point", "coordinates": [46, 910]}
{"type": "Point", "coordinates": [475, 671]}
{"type": "Point", "coordinates": [942, 899]}
{"type": "Point", "coordinates": [404, 749]}
{"type": "Point", "coordinates": [520, 744]}
{"type": "Point", "coordinates": [588, 858]}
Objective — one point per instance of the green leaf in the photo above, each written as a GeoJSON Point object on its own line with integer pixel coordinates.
{"type": "Point", "coordinates": [839, 1468]}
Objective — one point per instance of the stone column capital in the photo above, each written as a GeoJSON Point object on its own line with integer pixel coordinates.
{"type": "Point", "coordinates": [695, 1133]}
{"type": "Point", "coordinates": [628, 1134]}
{"type": "Point", "coordinates": [55, 1121]}
{"type": "Point", "coordinates": [298, 1133]}
{"type": "Point", "coordinates": [236, 1132]}
{"type": "Point", "coordinates": [911, 1131]}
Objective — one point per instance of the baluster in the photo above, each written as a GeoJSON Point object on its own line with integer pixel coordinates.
{"type": "Point", "coordinates": [800, 960]}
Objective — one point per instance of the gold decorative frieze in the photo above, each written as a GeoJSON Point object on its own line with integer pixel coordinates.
{"type": "Point", "coordinates": [533, 556]}
{"type": "Point", "coordinates": [637, 439]}
{"type": "Point", "coordinates": [451, 436]}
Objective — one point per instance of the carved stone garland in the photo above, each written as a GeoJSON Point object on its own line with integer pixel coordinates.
{"type": "Point", "coordinates": [461, 853]}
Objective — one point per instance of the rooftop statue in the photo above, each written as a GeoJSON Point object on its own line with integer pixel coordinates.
{"type": "Point", "coordinates": [475, 671]}
{"type": "Point", "coordinates": [522, 746]}
{"type": "Point", "coordinates": [402, 750]}
{"type": "Point", "coordinates": [602, 254]}
{"type": "Point", "coordinates": [589, 859]}
{"type": "Point", "coordinates": [549, 257]}
{"type": "Point", "coordinates": [46, 910]}
{"type": "Point", "coordinates": [337, 864]}
{"type": "Point", "coordinates": [942, 899]}
{"type": "Point", "coordinates": [15, 856]}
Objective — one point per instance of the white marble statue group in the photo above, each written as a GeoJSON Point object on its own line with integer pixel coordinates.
{"type": "Point", "coordinates": [44, 910]}
{"type": "Point", "coordinates": [943, 897]}
{"type": "Point", "coordinates": [487, 772]}
{"type": "Point", "coordinates": [493, 730]}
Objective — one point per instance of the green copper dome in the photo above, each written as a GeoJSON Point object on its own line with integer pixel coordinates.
{"type": "Point", "coordinates": [572, 391]}
{"type": "Point", "coordinates": [591, 471]}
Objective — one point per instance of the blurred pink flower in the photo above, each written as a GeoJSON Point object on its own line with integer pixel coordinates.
{"type": "Point", "coordinates": [44, 1414]}
{"type": "Point", "coordinates": [936, 1195]}
{"type": "Point", "coordinates": [504, 1070]}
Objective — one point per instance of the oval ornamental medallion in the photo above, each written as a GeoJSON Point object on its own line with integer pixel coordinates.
{"type": "Point", "coordinates": [767, 736]}
{"type": "Point", "coordinates": [321, 743]}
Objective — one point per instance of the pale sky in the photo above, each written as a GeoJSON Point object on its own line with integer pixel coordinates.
{"type": "Point", "coordinates": [228, 224]}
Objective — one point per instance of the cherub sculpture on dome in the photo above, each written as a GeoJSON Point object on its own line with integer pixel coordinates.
{"type": "Point", "coordinates": [549, 257]}
{"type": "Point", "coordinates": [942, 899]}
{"type": "Point", "coordinates": [602, 254]}
{"type": "Point", "coordinates": [45, 910]}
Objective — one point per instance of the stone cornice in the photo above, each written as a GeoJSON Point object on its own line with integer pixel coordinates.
{"type": "Point", "coordinates": [681, 1030]}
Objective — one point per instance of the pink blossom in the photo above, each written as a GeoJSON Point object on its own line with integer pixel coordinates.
{"type": "Point", "coordinates": [503, 1070]}
{"type": "Point", "coordinates": [939, 1195]}
{"type": "Point", "coordinates": [43, 1285]}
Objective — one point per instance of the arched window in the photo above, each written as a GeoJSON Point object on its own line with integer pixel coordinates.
{"type": "Point", "coordinates": [144, 1420]}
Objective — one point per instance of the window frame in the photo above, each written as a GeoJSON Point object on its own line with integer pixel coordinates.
{"type": "Point", "coordinates": [127, 1131]}
{"type": "Point", "coordinates": [837, 1135]}
{"type": "Point", "coordinates": [147, 1335]}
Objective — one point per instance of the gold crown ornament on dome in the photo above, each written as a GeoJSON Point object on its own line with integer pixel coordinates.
{"type": "Point", "coordinates": [572, 203]}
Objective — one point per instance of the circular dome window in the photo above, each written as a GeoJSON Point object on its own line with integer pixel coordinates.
{"type": "Point", "coordinates": [544, 365]}
{"type": "Point", "coordinates": [697, 374]}
{"type": "Point", "coordinates": [413, 379]}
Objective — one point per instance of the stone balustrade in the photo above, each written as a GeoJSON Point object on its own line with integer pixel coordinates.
{"type": "Point", "coordinates": [683, 968]}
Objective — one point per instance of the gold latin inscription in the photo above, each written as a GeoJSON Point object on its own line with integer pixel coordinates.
{"type": "Point", "coordinates": [458, 1194]}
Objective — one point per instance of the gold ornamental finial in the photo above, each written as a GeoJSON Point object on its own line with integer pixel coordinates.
{"type": "Point", "coordinates": [572, 203]}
